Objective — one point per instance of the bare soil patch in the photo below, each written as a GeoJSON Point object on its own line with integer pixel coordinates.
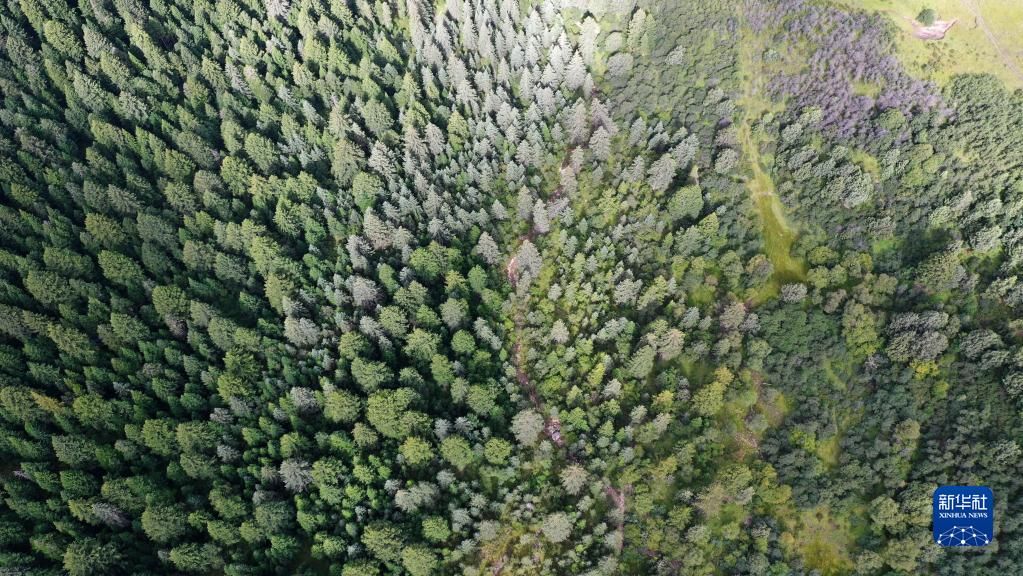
{"type": "Point", "coordinates": [935, 31]}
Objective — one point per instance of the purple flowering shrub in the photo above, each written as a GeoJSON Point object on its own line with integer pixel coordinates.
{"type": "Point", "coordinates": [835, 50]}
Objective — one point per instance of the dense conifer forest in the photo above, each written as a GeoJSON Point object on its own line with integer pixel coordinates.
{"type": "Point", "coordinates": [489, 287]}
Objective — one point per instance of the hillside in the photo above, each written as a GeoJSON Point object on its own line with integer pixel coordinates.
{"type": "Point", "coordinates": [353, 288]}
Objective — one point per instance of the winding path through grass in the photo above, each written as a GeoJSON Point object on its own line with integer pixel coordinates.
{"type": "Point", "coordinates": [778, 234]}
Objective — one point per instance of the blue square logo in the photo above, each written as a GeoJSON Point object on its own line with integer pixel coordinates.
{"type": "Point", "coordinates": [964, 516]}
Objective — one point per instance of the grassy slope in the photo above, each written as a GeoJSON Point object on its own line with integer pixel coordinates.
{"type": "Point", "coordinates": [967, 47]}
{"type": "Point", "coordinates": [823, 537]}
{"type": "Point", "coordinates": [777, 232]}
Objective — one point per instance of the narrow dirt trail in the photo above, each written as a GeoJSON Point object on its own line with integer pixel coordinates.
{"type": "Point", "coordinates": [518, 355]}
{"type": "Point", "coordinates": [1007, 59]}
{"type": "Point", "coordinates": [552, 426]}
{"type": "Point", "coordinates": [618, 497]}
